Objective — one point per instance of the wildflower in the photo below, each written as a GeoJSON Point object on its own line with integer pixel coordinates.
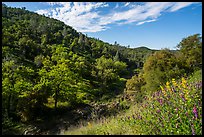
{"type": "Point", "coordinates": [174, 82]}
{"type": "Point", "coordinates": [198, 85]}
{"type": "Point", "coordinates": [158, 111]}
{"type": "Point", "coordinates": [183, 98]}
{"type": "Point", "coordinates": [163, 91]}
{"type": "Point", "coordinates": [162, 88]}
{"type": "Point", "coordinates": [158, 93]}
{"type": "Point", "coordinates": [160, 101]}
{"type": "Point", "coordinates": [153, 95]}
{"type": "Point", "coordinates": [193, 131]}
{"type": "Point", "coordinates": [139, 117]}
{"type": "Point", "coordinates": [183, 83]}
{"type": "Point", "coordinates": [176, 110]}
{"type": "Point", "coordinates": [195, 112]}
{"type": "Point", "coordinates": [173, 89]}
{"type": "Point", "coordinates": [186, 95]}
{"type": "Point", "coordinates": [167, 86]}
{"type": "Point", "coordinates": [152, 105]}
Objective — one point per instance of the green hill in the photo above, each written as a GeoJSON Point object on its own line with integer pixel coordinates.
{"type": "Point", "coordinates": [54, 77]}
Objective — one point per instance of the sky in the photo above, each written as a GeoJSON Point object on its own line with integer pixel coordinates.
{"type": "Point", "coordinates": [155, 25]}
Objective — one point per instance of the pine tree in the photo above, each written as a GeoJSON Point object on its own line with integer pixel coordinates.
{"type": "Point", "coordinates": [116, 57]}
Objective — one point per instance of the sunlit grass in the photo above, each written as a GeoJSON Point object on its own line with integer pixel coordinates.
{"type": "Point", "coordinates": [51, 103]}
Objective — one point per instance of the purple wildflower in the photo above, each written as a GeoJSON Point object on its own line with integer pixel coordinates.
{"type": "Point", "coordinates": [158, 93]}
{"type": "Point", "coordinates": [158, 111]}
{"type": "Point", "coordinates": [173, 89]}
{"type": "Point", "coordinates": [139, 117]}
{"type": "Point", "coordinates": [160, 101]}
{"type": "Point", "coordinates": [176, 110]}
{"type": "Point", "coordinates": [152, 105]}
{"type": "Point", "coordinates": [183, 98]}
{"type": "Point", "coordinates": [195, 112]}
{"type": "Point", "coordinates": [200, 84]}
{"type": "Point", "coordinates": [193, 131]}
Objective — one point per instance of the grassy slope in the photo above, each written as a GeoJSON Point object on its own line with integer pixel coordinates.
{"type": "Point", "coordinates": [143, 119]}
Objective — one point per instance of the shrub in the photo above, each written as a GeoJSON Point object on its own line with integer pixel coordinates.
{"type": "Point", "coordinates": [161, 67]}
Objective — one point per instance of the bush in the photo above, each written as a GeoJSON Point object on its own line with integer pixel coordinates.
{"type": "Point", "coordinates": [161, 67]}
{"type": "Point", "coordinates": [135, 83]}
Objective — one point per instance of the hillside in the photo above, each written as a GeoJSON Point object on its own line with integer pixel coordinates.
{"type": "Point", "coordinates": [149, 117]}
{"type": "Point", "coordinates": [54, 77]}
{"type": "Point", "coordinates": [30, 41]}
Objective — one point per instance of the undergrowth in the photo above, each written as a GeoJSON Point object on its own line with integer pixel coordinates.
{"type": "Point", "coordinates": [176, 109]}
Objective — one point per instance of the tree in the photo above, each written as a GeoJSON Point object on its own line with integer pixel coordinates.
{"type": "Point", "coordinates": [17, 87]}
{"type": "Point", "coordinates": [135, 84]}
{"type": "Point", "coordinates": [120, 67]}
{"type": "Point", "coordinates": [64, 31]}
{"type": "Point", "coordinates": [74, 46]}
{"type": "Point", "coordinates": [81, 39]}
{"type": "Point", "coordinates": [60, 74]}
{"type": "Point", "coordinates": [107, 71]}
{"type": "Point", "coordinates": [159, 68]}
{"type": "Point", "coordinates": [4, 9]}
{"type": "Point", "coordinates": [116, 57]}
{"type": "Point", "coordinates": [191, 48]}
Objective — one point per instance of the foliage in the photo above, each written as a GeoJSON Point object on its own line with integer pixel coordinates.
{"type": "Point", "coordinates": [46, 63]}
{"type": "Point", "coordinates": [160, 67]}
{"type": "Point", "coordinates": [108, 71]}
{"type": "Point", "coordinates": [191, 48]}
{"type": "Point", "coordinates": [135, 83]}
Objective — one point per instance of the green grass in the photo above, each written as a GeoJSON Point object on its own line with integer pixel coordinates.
{"type": "Point", "coordinates": [174, 110]}
{"type": "Point", "coordinates": [51, 103]}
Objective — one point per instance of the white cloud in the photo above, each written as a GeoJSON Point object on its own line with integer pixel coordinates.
{"type": "Point", "coordinates": [180, 5]}
{"type": "Point", "coordinates": [116, 6]}
{"type": "Point", "coordinates": [55, 3]}
{"type": "Point", "coordinates": [126, 4]}
{"type": "Point", "coordinates": [85, 16]}
{"type": "Point", "coordinates": [142, 22]}
{"type": "Point", "coordinates": [46, 12]}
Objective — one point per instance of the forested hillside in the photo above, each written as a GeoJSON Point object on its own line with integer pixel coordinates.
{"type": "Point", "coordinates": [49, 69]}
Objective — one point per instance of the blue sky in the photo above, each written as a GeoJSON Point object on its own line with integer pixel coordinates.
{"type": "Point", "coordinates": [155, 25]}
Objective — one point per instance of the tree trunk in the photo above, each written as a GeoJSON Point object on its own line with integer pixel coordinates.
{"type": "Point", "coordinates": [8, 105]}
{"type": "Point", "coordinates": [56, 97]}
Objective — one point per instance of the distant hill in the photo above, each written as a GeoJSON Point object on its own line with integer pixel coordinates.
{"type": "Point", "coordinates": [42, 31]}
